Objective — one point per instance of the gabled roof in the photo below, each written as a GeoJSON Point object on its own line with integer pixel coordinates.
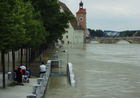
{"type": "Point", "coordinates": [73, 22]}
{"type": "Point", "coordinates": [81, 11]}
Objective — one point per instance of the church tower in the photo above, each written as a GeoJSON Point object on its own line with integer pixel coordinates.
{"type": "Point", "coordinates": [81, 16]}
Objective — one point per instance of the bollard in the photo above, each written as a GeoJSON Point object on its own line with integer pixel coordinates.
{"type": "Point", "coordinates": [35, 89]}
{"type": "Point", "coordinates": [38, 92]}
{"type": "Point", "coordinates": [31, 96]}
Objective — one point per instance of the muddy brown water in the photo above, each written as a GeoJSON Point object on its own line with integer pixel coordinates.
{"type": "Point", "coordinates": [102, 71]}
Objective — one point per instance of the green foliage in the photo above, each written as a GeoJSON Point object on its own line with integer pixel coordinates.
{"type": "Point", "coordinates": [97, 33]}
{"type": "Point", "coordinates": [54, 21]}
{"type": "Point", "coordinates": [138, 33]}
{"type": "Point", "coordinates": [127, 33]}
{"type": "Point", "coordinates": [35, 30]}
{"type": "Point", "coordinates": [11, 24]}
{"type": "Point", "coordinates": [25, 25]}
{"type": "Point", "coordinates": [100, 33]}
{"type": "Point", "coordinates": [19, 25]}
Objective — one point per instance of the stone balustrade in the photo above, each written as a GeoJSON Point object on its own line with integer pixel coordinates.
{"type": "Point", "coordinates": [40, 87]}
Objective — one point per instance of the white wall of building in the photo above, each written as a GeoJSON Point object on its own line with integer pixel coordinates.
{"type": "Point", "coordinates": [72, 38]}
{"type": "Point", "coordinates": [68, 37]}
{"type": "Point", "coordinates": [79, 39]}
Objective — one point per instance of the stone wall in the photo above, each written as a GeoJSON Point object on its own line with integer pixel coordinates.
{"type": "Point", "coordinates": [132, 40]}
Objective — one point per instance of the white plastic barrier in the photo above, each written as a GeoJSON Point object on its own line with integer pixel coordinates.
{"type": "Point", "coordinates": [71, 74]}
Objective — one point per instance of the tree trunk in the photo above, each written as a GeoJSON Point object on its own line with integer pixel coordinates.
{"type": "Point", "coordinates": [29, 59]}
{"type": "Point", "coordinates": [26, 56]}
{"type": "Point", "coordinates": [8, 62]}
{"type": "Point", "coordinates": [3, 66]}
{"type": "Point", "coordinates": [13, 60]}
{"type": "Point", "coordinates": [21, 56]}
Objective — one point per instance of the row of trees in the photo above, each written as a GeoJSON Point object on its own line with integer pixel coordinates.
{"type": "Point", "coordinates": [96, 33]}
{"type": "Point", "coordinates": [29, 24]}
{"type": "Point", "coordinates": [101, 33]}
{"type": "Point", "coordinates": [129, 33]}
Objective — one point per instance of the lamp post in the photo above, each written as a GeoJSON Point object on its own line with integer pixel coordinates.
{"type": "Point", "coordinates": [66, 51]}
{"type": "Point", "coordinates": [67, 54]}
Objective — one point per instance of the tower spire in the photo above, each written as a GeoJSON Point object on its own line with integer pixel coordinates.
{"type": "Point", "coordinates": [81, 5]}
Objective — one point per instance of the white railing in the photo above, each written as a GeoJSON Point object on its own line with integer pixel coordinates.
{"type": "Point", "coordinates": [71, 74]}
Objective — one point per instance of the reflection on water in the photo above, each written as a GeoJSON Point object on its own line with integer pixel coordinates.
{"type": "Point", "coordinates": [102, 71]}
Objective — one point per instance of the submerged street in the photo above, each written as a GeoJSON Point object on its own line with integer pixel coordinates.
{"type": "Point", "coordinates": [102, 71]}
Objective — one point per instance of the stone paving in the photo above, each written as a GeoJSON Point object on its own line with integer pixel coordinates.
{"type": "Point", "coordinates": [18, 91]}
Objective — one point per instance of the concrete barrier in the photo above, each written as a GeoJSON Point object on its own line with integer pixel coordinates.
{"type": "Point", "coordinates": [31, 96]}
{"type": "Point", "coordinates": [71, 74]}
{"type": "Point", "coordinates": [40, 87]}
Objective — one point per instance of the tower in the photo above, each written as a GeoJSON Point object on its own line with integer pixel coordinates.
{"type": "Point", "coordinates": [81, 16]}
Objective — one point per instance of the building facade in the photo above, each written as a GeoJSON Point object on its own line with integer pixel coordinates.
{"type": "Point", "coordinates": [77, 32]}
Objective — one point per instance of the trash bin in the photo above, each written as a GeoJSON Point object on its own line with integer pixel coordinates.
{"type": "Point", "coordinates": [9, 75]}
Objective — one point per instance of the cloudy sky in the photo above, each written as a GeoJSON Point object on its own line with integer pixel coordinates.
{"type": "Point", "coordinates": [109, 14]}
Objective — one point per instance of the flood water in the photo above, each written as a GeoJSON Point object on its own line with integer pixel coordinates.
{"type": "Point", "coordinates": [102, 71]}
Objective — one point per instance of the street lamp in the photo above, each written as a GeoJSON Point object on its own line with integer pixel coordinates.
{"type": "Point", "coordinates": [66, 51]}
{"type": "Point", "coordinates": [67, 54]}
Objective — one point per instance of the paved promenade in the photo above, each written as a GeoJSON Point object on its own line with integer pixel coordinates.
{"type": "Point", "coordinates": [18, 91]}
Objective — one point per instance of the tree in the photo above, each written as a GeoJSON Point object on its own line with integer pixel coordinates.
{"type": "Point", "coordinates": [129, 33]}
{"type": "Point", "coordinates": [35, 30]}
{"type": "Point", "coordinates": [11, 29]}
{"type": "Point", "coordinates": [54, 21]}
{"type": "Point", "coordinates": [19, 28]}
{"type": "Point", "coordinates": [96, 33]}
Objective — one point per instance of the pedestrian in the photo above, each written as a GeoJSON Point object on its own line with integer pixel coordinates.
{"type": "Point", "coordinates": [23, 68]}
{"type": "Point", "coordinates": [19, 76]}
{"type": "Point", "coordinates": [26, 76]}
{"type": "Point", "coordinates": [42, 68]}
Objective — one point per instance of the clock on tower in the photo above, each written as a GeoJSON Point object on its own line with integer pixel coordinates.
{"type": "Point", "coordinates": [80, 19]}
{"type": "Point", "coordinates": [81, 16]}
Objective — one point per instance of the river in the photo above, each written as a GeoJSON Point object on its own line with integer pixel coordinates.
{"type": "Point", "coordinates": [102, 71]}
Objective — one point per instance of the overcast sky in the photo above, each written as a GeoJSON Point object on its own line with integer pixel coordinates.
{"type": "Point", "coordinates": [109, 14]}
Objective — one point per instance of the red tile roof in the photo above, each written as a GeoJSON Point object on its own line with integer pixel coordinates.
{"type": "Point", "coordinates": [82, 11]}
{"type": "Point", "coordinates": [73, 22]}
